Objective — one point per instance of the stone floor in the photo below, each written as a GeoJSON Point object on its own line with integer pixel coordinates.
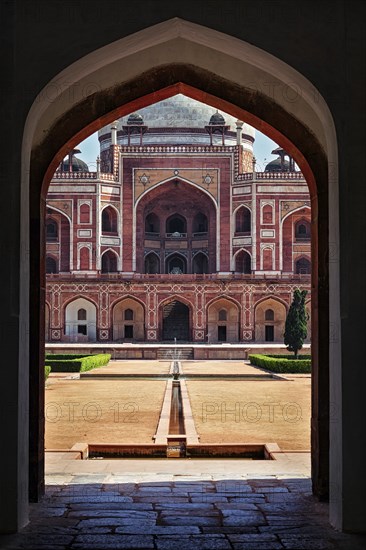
{"type": "Point", "coordinates": [174, 504]}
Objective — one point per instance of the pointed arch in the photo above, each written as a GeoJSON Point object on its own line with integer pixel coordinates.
{"type": "Point", "coordinates": [109, 261]}
{"type": "Point", "coordinates": [152, 224]}
{"type": "Point", "coordinates": [223, 319]}
{"type": "Point", "coordinates": [78, 328]}
{"type": "Point", "coordinates": [222, 77]}
{"type": "Point", "coordinates": [109, 217]}
{"type": "Point", "coordinates": [243, 220]}
{"type": "Point", "coordinates": [200, 263]}
{"type": "Point", "coordinates": [175, 318]}
{"type": "Point", "coordinates": [51, 230]}
{"type": "Point", "coordinates": [270, 328]}
{"type": "Point", "coordinates": [243, 261]}
{"type": "Point", "coordinates": [152, 263]}
{"type": "Point", "coordinates": [302, 266]}
{"type": "Point", "coordinates": [51, 264]}
{"type": "Point", "coordinates": [128, 319]}
{"type": "Point", "coordinates": [176, 263]}
{"type": "Point", "coordinates": [176, 223]}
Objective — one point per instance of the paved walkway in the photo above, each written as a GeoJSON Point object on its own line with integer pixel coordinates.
{"type": "Point", "coordinates": [180, 504]}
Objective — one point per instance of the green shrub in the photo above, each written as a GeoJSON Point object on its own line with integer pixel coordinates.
{"type": "Point", "coordinates": [66, 356]}
{"type": "Point", "coordinates": [80, 364]}
{"type": "Point", "coordinates": [288, 356]}
{"type": "Point", "coordinates": [47, 370]}
{"type": "Point", "coordinates": [282, 364]}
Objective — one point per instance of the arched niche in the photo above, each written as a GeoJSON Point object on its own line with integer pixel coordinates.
{"type": "Point", "coordinates": [128, 319]}
{"type": "Point", "coordinates": [302, 266]}
{"type": "Point", "coordinates": [223, 321]}
{"type": "Point", "coordinates": [200, 263]}
{"type": "Point", "coordinates": [77, 328]}
{"type": "Point", "coordinates": [243, 221]}
{"type": "Point", "coordinates": [109, 220]}
{"type": "Point", "coordinates": [176, 264]}
{"type": "Point", "coordinates": [176, 223]}
{"type": "Point", "coordinates": [175, 318]}
{"type": "Point", "coordinates": [183, 206]}
{"type": "Point", "coordinates": [109, 262]}
{"type": "Point", "coordinates": [152, 263]}
{"type": "Point", "coordinates": [51, 265]}
{"type": "Point", "coordinates": [243, 262]}
{"type": "Point", "coordinates": [267, 329]}
{"type": "Point", "coordinates": [152, 224]}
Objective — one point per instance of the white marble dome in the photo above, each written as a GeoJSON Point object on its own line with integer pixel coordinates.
{"type": "Point", "coordinates": [180, 112]}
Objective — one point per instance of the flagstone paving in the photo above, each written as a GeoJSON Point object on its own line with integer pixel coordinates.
{"type": "Point", "coordinates": [161, 511]}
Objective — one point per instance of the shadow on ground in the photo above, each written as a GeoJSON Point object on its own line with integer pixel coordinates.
{"type": "Point", "coordinates": [124, 512]}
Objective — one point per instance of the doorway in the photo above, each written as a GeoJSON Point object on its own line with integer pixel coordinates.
{"type": "Point", "coordinates": [269, 333]}
{"type": "Point", "coordinates": [221, 333]}
{"type": "Point", "coordinates": [175, 321]}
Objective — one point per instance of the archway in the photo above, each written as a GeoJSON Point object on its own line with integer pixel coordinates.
{"type": "Point", "coordinates": [176, 264]}
{"type": "Point", "coordinates": [51, 265]}
{"type": "Point", "coordinates": [223, 321]}
{"type": "Point", "coordinates": [270, 318]}
{"type": "Point", "coordinates": [109, 221]}
{"type": "Point", "coordinates": [243, 221]}
{"type": "Point", "coordinates": [128, 320]}
{"type": "Point", "coordinates": [275, 116]}
{"type": "Point", "coordinates": [200, 263]}
{"type": "Point", "coordinates": [189, 230]}
{"type": "Point", "coordinates": [243, 262]}
{"type": "Point", "coordinates": [152, 263]}
{"type": "Point", "coordinates": [109, 262]}
{"type": "Point", "coordinates": [80, 321]}
{"type": "Point", "coordinates": [176, 224]}
{"type": "Point", "coordinates": [175, 321]}
{"type": "Point", "coordinates": [303, 266]}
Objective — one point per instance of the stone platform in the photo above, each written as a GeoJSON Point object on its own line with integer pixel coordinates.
{"type": "Point", "coordinates": [161, 504]}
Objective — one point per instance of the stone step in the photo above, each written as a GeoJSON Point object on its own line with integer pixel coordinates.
{"type": "Point", "coordinates": [175, 353]}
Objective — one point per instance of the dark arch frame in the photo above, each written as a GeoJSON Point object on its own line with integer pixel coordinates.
{"type": "Point", "coordinates": [304, 260]}
{"type": "Point", "coordinates": [156, 257]}
{"type": "Point", "coordinates": [167, 301]}
{"type": "Point", "coordinates": [50, 260]}
{"type": "Point", "coordinates": [109, 218]}
{"type": "Point", "coordinates": [243, 220]}
{"type": "Point", "coordinates": [54, 223]}
{"type": "Point", "coordinates": [171, 257]}
{"type": "Point", "coordinates": [176, 216]}
{"type": "Point", "coordinates": [108, 257]}
{"type": "Point", "coordinates": [100, 108]}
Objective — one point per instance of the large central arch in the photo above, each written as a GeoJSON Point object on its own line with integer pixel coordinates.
{"type": "Point", "coordinates": [228, 74]}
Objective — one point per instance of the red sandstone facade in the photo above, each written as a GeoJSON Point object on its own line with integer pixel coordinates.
{"type": "Point", "coordinates": [181, 240]}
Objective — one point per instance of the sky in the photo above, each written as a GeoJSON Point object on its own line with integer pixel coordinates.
{"type": "Point", "coordinates": [263, 146]}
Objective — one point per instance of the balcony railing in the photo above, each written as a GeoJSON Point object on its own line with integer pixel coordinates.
{"type": "Point", "coordinates": [105, 176]}
{"type": "Point", "coordinates": [162, 277]}
{"type": "Point", "coordinates": [260, 176]}
{"type": "Point", "coordinates": [176, 235]}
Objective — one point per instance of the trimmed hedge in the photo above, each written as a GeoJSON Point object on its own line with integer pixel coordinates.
{"type": "Point", "coordinates": [80, 364]}
{"type": "Point", "coordinates": [281, 364]}
{"type": "Point", "coordinates": [47, 370]}
{"type": "Point", "coordinates": [288, 357]}
{"type": "Point", "coordinates": [65, 356]}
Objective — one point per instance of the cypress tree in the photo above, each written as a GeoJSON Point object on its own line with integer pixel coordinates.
{"type": "Point", "coordinates": [296, 323]}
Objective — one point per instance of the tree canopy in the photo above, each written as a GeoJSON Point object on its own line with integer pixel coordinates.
{"type": "Point", "coordinates": [296, 323]}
